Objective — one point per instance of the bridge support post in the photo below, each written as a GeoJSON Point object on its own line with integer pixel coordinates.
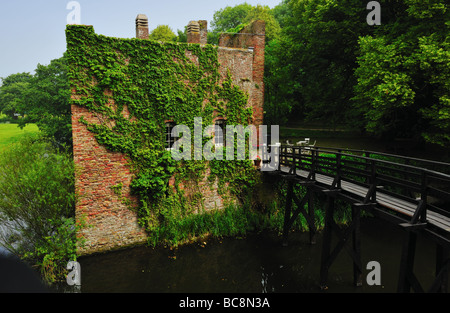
{"type": "Point", "coordinates": [329, 256]}
{"type": "Point", "coordinates": [290, 215]}
{"type": "Point", "coordinates": [442, 265]}
{"type": "Point", "coordinates": [406, 278]}
{"type": "Point", "coordinates": [312, 225]}
{"type": "Point", "coordinates": [287, 212]}
{"type": "Point", "coordinates": [326, 245]}
{"type": "Point", "coordinates": [356, 245]}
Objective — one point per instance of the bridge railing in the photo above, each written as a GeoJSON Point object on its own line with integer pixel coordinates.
{"type": "Point", "coordinates": [409, 179]}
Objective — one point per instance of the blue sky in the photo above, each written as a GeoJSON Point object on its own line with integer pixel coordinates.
{"type": "Point", "coordinates": [33, 32]}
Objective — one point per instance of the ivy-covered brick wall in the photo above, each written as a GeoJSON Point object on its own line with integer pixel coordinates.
{"type": "Point", "coordinates": [130, 189]}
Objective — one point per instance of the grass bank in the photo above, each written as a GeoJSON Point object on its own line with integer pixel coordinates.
{"type": "Point", "coordinates": [12, 133]}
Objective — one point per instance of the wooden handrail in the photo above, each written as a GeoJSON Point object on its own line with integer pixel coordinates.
{"type": "Point", "coordinates": [418, 180]}
{"type": "Point", "coordinates": [391, 155]}
{"type": "Point", "coordinates": [330, 151]}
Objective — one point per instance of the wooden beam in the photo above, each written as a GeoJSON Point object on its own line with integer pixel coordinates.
{"type": "Point", "coordinates": [287, 211]}
{"type": "Point", "coordinates": [326, 245]}
{"type": "Point", "coordinates": [332, 192]}
{"type": "Point", "coordinates": [291, 216]}
{"type": "Point", "coordinates": [356, 245]}
{"type": "Point", "coordinates": [312, 231]}
{"type": "Point", "coordinates": [406, 278]}
{"type": "Point", "coordinates": [413, 227]}
{"type": "Point", "coordinates": [353, 232]}
{"type": "Point", "coordinates": [440, 283]}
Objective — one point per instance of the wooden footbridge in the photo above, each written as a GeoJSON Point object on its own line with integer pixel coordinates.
{"type": "Point", "coordinates": [409, 192]}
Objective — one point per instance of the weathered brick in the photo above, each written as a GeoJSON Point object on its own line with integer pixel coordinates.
{"type": "Point", "coordinates": [111, 223]}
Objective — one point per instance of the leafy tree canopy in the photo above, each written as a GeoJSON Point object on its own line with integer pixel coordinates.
{"type": "Point", "coordinates": [12, 93]}
{"type": "Point", "coordinates": [230, 18]}
{"type": "Point", "coordinates": [42, 98]}
{"type": "Point", "coordinates": [163, 33]}
{"type": "Point", "coordinates": [391, 80]}
{"type": "Point", "coordinates": [404, 73]}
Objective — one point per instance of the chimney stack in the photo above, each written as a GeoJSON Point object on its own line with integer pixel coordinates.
{"type": "Point", "coordinates": [142, 27]}
{"type": "Point", "coordinates": [193, 32]}
{"type": "Point", "coordinates": [203, 31]}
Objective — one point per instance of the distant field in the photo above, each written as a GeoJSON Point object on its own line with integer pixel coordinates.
{"type": "Point", "coordinates": [11, 133]}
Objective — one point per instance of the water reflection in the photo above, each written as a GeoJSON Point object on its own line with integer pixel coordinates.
{"type": "Point", "coordinates": [256, 264]}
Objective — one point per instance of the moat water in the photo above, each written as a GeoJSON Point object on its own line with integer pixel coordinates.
{"type": "Point", "coordinates": [257, 263]}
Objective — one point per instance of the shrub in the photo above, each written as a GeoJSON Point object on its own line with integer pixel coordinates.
{"type": "Point", "coordinates": [37, 205]}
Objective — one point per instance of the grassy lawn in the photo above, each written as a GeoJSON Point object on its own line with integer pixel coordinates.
{"type": "Point", "coordinates": [11, 133]}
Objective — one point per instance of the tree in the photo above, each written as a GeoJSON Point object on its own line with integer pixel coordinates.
{"type": "Point", "coordinates": [230, 17]}
{"type": "Point", "coordinates": [12, 93]}
{"type": "Point", "coordinates": [404, 73]}
{"type": "Point", "coordinates": [37, 205]}
{"type": "Point", "coordinates": [182, 35]}
{"type": "Point", "coordinates": [47, 102]}
{"type": "Point", "coordinates": [163, 33]}
{"type": "Point", "coordinates": [282, 13]}
{"type": "Point", "coordinates": [264, 13]}
{"type": "Point", "coordinates": [310, 69]}
{"type": "Point", "coordinates": [281, 89]}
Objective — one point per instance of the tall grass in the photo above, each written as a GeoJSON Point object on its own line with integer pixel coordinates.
{"type": "Point", "coordinates": [240, 220]}
{"type": "Point", "coordinates": [228, 222]}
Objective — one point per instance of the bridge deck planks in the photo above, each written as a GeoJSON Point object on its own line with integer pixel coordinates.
{"type": "Point", "coordinates": [387, 201]}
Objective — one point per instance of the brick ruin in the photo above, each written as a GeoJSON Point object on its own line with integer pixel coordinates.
{"type": "Point", "coordinates": [110, 223]}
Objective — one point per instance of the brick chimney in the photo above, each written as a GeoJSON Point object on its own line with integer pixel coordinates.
{"type": "Point", "coordinates": [193, 32]}
{"type": "Point", "coordinates": [203, 31]}
{"type": "Point", "coordinates": [142, 27]}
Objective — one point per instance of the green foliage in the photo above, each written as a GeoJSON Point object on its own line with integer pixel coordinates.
{"type": "Point", "coordinates": [264, 13]}
{"type": "Point", "coordinates": [404, 73]}
{"type": "Point", "coordinates": [12, 94]}
{"type": "Point", "coordinates": [236, 29]}
{"type": "Point", "coordinates": [41, 99]}
{"type": "Point", "coordinates": [231, 221]}
{"type": "Point", "coordinates": [230, 17]}
{"type": "Point", "coordinates": [282, 13]}
{"type": "Point", "coordinates": [310, 68]}
{"type": "Point", "coordinates": [37, 205]}
{"type": "Point", "coordinates": [163, 33]}
{"type": "Point", "coordinates": [391, 80]}
{"type": "Point", "coordinates": [12, 133]}
{"type": "Point", "coordinates": [388, 92]}
{"type": "Point", "coordinates": [47, 102]}
{"type": "Point", "coordinates": [182, 35]}
{"type": "Point", "coordinates": [233, 19]}
{"type": "Point", "coordinates": [154, 82]}
{"type": "Point", "coordinates": [282, 94]}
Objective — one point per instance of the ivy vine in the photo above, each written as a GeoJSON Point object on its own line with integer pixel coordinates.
{"type": "Point", "coordinates": [135, 86]}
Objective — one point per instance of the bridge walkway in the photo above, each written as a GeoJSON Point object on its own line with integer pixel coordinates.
{"type": "Point", "coordinates": [412, 193]}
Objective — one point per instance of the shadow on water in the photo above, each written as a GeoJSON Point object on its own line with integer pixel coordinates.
{"type": "Point", "coordinates": [255, 264]}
